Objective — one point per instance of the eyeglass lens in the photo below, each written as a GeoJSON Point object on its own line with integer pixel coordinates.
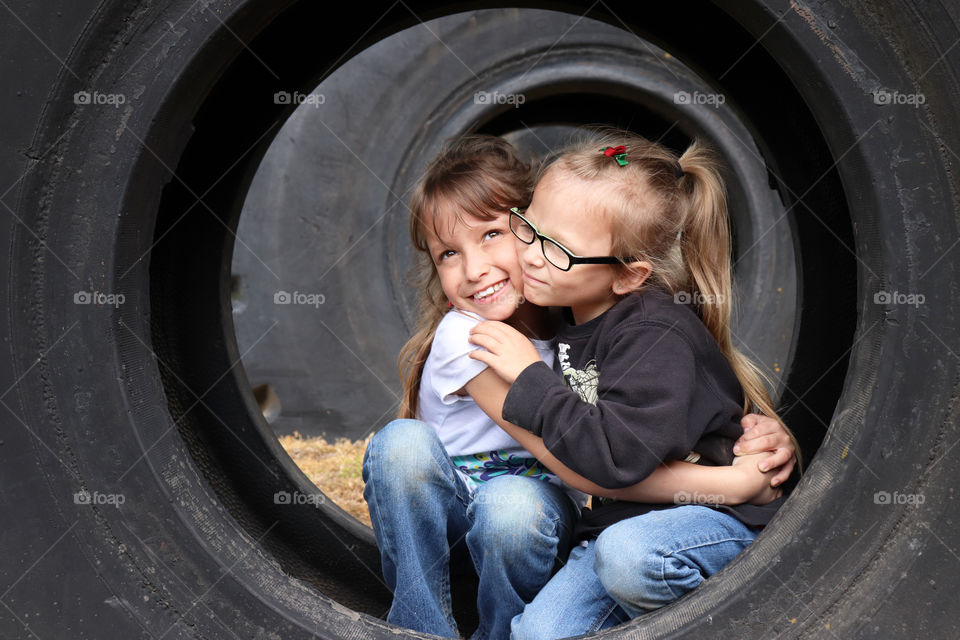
{"type": "Point", "coordinates": [554, 254]}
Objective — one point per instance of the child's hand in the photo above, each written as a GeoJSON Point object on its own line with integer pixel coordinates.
{"type": "Point", "coordinates": [508, 352]}
{"type": "Point", "coordinates": [762, 433]}
{"type": "Point", "coordinates": [754, 486]}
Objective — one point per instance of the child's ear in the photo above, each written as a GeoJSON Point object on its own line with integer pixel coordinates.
{"type": "Point", "coordinates": [632, 278]}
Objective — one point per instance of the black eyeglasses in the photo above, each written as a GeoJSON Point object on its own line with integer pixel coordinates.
{"type": "Point", "coordinates": [555, 253]}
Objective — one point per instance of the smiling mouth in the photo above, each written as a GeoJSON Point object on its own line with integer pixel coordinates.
{"type": "Point", "coordinates": [531, 279]}
{"type": "Point", "coordinates": [481, 296]}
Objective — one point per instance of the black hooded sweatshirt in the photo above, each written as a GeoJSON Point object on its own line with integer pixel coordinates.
{"type": "Point", "coordinates": [641, 383]}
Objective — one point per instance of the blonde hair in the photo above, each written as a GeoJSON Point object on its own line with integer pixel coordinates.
{"type": "Point", "coordinates": [651, 202]}
{"type": "Point", "coordinates": [475, 175]}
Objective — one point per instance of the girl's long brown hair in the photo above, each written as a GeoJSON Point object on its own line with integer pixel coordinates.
{"type": "Point", "coordinates": [673, 213]}
{"type": "Point", "coordinates": [475, 175]}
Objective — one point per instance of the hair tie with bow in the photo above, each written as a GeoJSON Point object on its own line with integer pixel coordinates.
{"type": "Point", "coordinates": [617, 153]}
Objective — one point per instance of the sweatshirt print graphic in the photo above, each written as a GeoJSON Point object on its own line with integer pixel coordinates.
{"type": "Point", "coordinates": [584, 381]}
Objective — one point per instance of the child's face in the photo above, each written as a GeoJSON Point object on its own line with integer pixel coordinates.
{"type": "Point", "coordinates": [561, 210]}
{"type": "Point", "coordinates": [477, 264]}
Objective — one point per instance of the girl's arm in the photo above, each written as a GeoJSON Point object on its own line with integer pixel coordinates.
{"type": "Point", "coordinates": [618, 438]}
{"type": "Point", "coordinates": [670, 482]}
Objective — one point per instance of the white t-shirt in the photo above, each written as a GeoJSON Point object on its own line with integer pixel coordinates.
{"type": "Point", "coordinates": [462, 425]}
{"type": "Point", "coordinates": [467, 433]}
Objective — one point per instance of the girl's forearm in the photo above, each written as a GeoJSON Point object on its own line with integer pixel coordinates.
{"type": "Point", "coordinates": [684, 482]}
{"type": "Point", "coordinates": [534, 444]}
{"type": "Point", "coordinates": [670, 482]}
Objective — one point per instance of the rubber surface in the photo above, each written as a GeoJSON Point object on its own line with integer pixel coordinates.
{"type": "Point", "coordinates": [140, 491]}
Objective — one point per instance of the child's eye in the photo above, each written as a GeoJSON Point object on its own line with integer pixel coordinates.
{"type": "Point", "coordinates": [449, 253]}
{"type": "Point", "coordinates": [492, 234]}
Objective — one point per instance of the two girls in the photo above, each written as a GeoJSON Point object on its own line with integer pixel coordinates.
{"type": "Point", "coordinates": [455, 489]}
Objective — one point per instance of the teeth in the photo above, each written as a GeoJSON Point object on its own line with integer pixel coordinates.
{"type": "Point", "coordinates": [489, 291]}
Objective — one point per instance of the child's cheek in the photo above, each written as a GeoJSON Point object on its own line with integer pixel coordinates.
{"type": "Point", "coordinates": [536, 296]}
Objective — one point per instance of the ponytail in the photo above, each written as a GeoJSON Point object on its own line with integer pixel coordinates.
{"type": "Point", "coordinates": [652, 202]}
{"type": "Point", "coordinates": [705, 252]}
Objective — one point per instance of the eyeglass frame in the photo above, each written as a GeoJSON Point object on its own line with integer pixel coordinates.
{"type": "Point", "coordinates": [574, 258]}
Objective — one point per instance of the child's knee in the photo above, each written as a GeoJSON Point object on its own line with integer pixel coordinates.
{"type": "Point", "coordinates": [639, 573]}
{"type": "Point", "coordinates": [530, 627]}
{"type": "Point", "coordinates": [402, 449]}
{"type": "Point", "coordinates": [630, 571]}
{"type": "Point", "coordinates": [513, 508]}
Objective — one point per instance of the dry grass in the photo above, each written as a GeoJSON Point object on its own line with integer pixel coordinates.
{"type": "Point", "coordinates": [334, 467]}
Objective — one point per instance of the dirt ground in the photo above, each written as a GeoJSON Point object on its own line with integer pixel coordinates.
{"type": "Point", "coordinates": [334, 467]}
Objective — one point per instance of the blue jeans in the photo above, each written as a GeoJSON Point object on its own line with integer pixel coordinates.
{"type": "Point", "coordinates": [635, 566]}
{"type": "Point", "coordinates": [424, 513]}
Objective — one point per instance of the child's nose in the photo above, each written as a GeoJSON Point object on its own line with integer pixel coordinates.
{"type": "Point", "coordinates": [475, 266]}
{"type": "Point", "coordinates": [530, 253]}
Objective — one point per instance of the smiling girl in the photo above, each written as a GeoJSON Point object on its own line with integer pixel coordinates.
{"type": "Point", "coordinates": [452, 489]}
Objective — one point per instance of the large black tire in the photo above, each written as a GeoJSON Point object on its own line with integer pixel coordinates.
{"type": "Point", "coordinates": [140, 401]}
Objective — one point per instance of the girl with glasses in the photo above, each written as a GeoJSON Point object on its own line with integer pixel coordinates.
{"type": "Point", "coordinates": [634, 243]}
{"type": "Point", "coordinates": [446, 486]}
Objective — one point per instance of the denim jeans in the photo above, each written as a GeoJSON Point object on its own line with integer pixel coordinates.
{"type": "Point", "coordinates": [424, 513]}
{"type": "Point", "coordinates": [635, 566]}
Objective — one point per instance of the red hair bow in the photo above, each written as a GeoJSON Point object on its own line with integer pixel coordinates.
{"type": "Point", "coordinates": [617, 153]}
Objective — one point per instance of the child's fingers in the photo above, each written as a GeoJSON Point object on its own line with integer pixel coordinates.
{"type": "Point", "coordinates": [750, 434]}
{"type": "Point", "coordinates": [748, 421]}
{"type": "Point", "coordinates": [483, 340]}
{"type": "Point", "coordinates": [745, 446]}
{"type": "Point", "coordinates": [763, 425]}
{"type": "Point", "coordinates": [483, 356]}
{"type": "Point", "coordinates": [778, 458]}
{"type": "Point", "coordinates": [783, 473]}
{"type": "Point", "coordinates": [489, 329]}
